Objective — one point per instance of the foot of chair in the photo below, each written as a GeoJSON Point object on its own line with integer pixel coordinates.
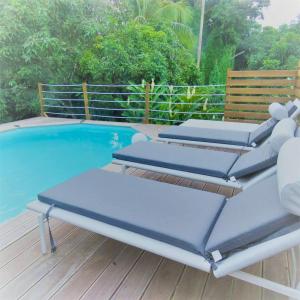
{"type": "Point", "coordinates": [41, 223]}
{"type": "Point", "coordinates": [123, 169]}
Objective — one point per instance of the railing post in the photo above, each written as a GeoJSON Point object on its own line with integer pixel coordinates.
{"type": "Point", "coordinates": [41, 99]}
{"type": "Point", "coordinates": [227, 91]}
{"type": "Point", "coordinates": [147, 103]}
{"type": "Point", "coordinates": [297, 87]}
{"type": "Point", "coordinates": [86, 101]}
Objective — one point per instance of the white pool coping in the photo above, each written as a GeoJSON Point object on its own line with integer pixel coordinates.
{"type": "Point", "coordinates": [150, 130]}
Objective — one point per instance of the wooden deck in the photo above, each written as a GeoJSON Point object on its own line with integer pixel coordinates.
{"type": "Point", "coordinates": [90, 266]}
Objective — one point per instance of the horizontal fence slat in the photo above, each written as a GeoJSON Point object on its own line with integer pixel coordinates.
{"type": "Point", "coordinates": [257, 99]}
{"type": "Point", "coordinates": [261, 91]}
{"type": "Point", "coordinates": [243, 120]}
{"type": "Point", "coordinates": [246, 115]}
{"type": "Point", "coordinates": [263, 73]}
{"type": "Point", "coordinates": [253, 107]}
{"type": "Point", "coordinates": [262, 82]}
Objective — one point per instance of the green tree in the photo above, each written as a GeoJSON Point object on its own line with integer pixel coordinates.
{"type": "Point", "coordinates": [271, 48]}
{"type": "Point", "coordinates": [138, 51]}
{"type": "Point", "coordinates": [41, 41]}
{"type": "Point", "coordinates": [228, 24]}
{"type": "Point", "coordinates": [177, 14]}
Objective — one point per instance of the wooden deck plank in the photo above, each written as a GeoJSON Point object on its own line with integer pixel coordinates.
{"type": "Point", "coordinates": [17, 232]}
{"type": "Point", "coordinates": [63, 271]}
{"type": "Point", "coordinates": [164, 282]}
{"type": "Point", "coordinates": [212, 188]}
{"type": "Point", "coordinates": [31, 254]}
{"type": "Point", "coordinates": [276, 269]}
{"type": "Point", "coordinates": [191, 284]}
{"type": "Point", "coordinates": [10, 224]}
{"type": "Point", "coordinates": [294, 269]}
{"type": "Point", "coordinates": [78, 284]}
{"type": "Point", "coordinates": [139, 277]}
{"type": "Point", "coordinates": [244, 290]}
{"type": "Point", "coordinates": [36, 271]}
{"type": "Point", "coordinates": [23, 243]}
{"type": "Point", "coordinates": [220, 288]}
{"type": "Point", "coordinates": [104, 287]}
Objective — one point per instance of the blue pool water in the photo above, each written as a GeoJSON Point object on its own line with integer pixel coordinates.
{"type": "Point", "coordinates": [34, 159]}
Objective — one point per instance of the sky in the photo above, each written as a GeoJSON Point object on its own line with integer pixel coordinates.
{"type": "Point", "coordinates": [280, 12]}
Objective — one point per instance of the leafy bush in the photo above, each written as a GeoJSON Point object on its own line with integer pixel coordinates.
{"type": "Point", "coordinates": [138, 51]}
{"type": "Point", "coordinates": [170, 105]}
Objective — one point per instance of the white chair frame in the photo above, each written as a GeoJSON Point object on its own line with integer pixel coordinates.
{"type": "Point", "coordinates": [230, 266]}
{"type": "Point", "coordinates": [238, 184]}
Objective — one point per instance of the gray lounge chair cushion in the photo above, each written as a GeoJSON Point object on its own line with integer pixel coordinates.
{"type": "Point", "coordinates": [252, 215]}
{"type": "Point", "coordinates": [291, 107]}
{"type": "Point", "coordinates": [176, 215]}
{"type": "Point", "coordinates": [262, 131]}
{"type": "Point", "coordinates": [199, 161]}
{"type": "Point", "coordinates": [209, 135]}
{"type": "Point", "coordinates": [288, 174]}
{"type": "Point", "coordinates": [254, 161]}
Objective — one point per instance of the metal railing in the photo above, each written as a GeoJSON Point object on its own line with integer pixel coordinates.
{"type": "Point", "coordinates": [147, 103]}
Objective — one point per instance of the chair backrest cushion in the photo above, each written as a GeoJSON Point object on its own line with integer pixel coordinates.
{"type": "Point", "coordinates": [278, 111]}
{"type": "Point", "coordinates": [289, 175]}
{"type": "Point", "coordinates": [291, 107]}
{"type": "Point", "coordinates": [262, 131]}
{"type": "Point", "coordinates": [254, 161]}
{"type": "Point", "coordinates": [252, 215]}
{"type": "Point", "coordinates": [284, 130]}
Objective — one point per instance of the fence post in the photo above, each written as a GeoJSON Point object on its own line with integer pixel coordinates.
{"type": "Point", "coordinates": [297, 87]}
{"type": "Point", "coordinates": [41, 99]}
{"type": "Point", "coordinates": [227, 91]}
{"type": "Point", "coordinates": [147, 103]}
{"type": "Point", "coordinates": [86, 101]}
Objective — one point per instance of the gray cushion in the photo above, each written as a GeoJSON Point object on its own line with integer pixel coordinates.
{"type": "Point", "coordinates": [291, 107]}
{"type": "Point", "coordinates": [288, 174]}
{"type": "Point", "coordinates": [254, 161]}
{"type": "Point", "coordinates": [262, 131]}
{"type": "Point", "coordinates": [248, 217]}
{"type": "Point", "coordinates": [176, 215]}
{"type": "Point", "coordinates": [200, 161]}
{"type": "Point", "coordinates": [209, 135]}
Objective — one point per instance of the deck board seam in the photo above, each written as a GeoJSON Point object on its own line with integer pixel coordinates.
{"type": "Point", "coordinates": [127, 273]}
{"type": "Point", "coordinates": [78, 267]}
{"type": "Point", "coordinates": [53, 267]}
{"type": "Point", "coordinates": [153, 275]}
{"type": "Point", "coordinates": [41, 256]}
{"type": "Point", "coordinates": [178, 281]}
{"type": "Point", "coordinates": [32, 245]}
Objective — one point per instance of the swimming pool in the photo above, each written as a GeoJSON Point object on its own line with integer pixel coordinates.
{"type": "Point", "coordinates": [34, 159]}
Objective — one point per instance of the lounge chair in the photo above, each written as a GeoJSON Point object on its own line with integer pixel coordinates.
{"type": "Point", "coordinates": [197, 228]}
{"type": "Point", "coordinates": [228, 134]}
{"type": "Point", "coordinates": [224, 168]}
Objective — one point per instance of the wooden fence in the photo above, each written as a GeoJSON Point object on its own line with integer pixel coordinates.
{"type": "Point", "coordinates": [249, 93]}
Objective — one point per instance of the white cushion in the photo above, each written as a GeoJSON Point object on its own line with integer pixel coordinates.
{"type": "Point", "coordinates": [283, 130]}
{"type": "Point", "coordinates": [278, 111]}
{"type": "Point", "coordinates": [288, 174]}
